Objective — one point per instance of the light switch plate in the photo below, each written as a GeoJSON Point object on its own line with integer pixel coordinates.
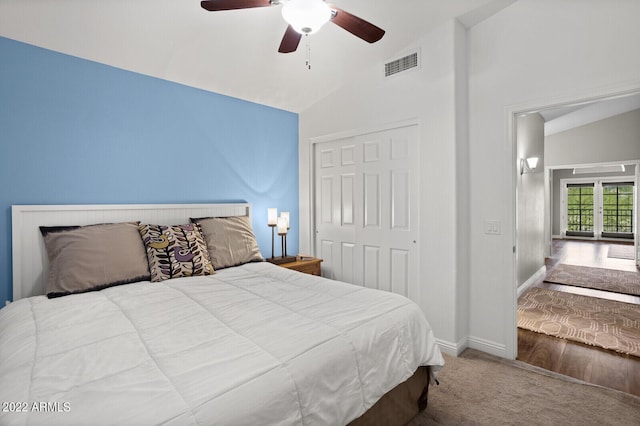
{"type": "Point", "coordinates": [492, 227]}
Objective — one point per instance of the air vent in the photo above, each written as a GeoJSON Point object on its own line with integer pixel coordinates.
{"type": "Point", "coordinates": [401, 64]}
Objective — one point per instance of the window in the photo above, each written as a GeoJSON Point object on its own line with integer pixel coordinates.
{"type": "Point", "coordinates": [580, 210]}
{"type": "Point", "coordinates": [617, 209]}
{"type": "Point", "coordinates": [598, 208]}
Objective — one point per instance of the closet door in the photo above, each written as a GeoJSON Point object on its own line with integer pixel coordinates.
{"type": "Point", "coordinates": [367, 208]}
{"type": "Point", "coordinates": [334, 212]}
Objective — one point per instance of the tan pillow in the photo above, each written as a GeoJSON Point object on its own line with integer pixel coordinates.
{"type": "Point", "coordinates": [89, 258]}
{"type": "Point", "coordinates": [175, 251]}
{"type": "Point", "coordinates": [230, 240]}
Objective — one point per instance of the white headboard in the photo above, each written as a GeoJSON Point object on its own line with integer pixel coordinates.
{"type": "Point", "coordinates": [30, 262]}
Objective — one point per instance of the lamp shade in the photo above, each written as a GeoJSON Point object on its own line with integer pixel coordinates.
{"type": "Point", "coordinates": [306, 16]}
{"type": "Point", "coordinates": [532, 162]}
{"type": "Point", "coordinates": [285, 215]}
{"type": "Point", "coordinates": [272, 216]}
{"type": "Point", "coordinates": [282, 226]}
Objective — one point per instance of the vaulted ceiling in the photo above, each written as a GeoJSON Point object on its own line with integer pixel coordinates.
{"type": "Point", "coordinates": [231, 52]}
{"type": "Point", "coordinates": [570, 116]}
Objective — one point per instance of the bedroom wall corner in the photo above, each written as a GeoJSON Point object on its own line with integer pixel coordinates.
{"type": "Point", "coordinates": [462, 184]}
{"type": "Point", "coordinates": [79, 132]}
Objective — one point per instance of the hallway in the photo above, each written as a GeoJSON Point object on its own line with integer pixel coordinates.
{"type": "Point", "coordinates": [594, 254]}
{"type": "Point", "coordinates": [588, 363]}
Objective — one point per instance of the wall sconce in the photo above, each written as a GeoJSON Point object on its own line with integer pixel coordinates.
{"type": "Point", "coordinates": [528, 165]}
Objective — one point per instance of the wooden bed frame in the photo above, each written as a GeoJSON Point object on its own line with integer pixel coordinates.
{"type": "Point", "coordinates": [30, 262]}
{"type": "Point", "coordinates": [30, 266]}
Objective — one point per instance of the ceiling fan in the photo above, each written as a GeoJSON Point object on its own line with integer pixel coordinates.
{"type": "Point", "coordinates": [304, 17]}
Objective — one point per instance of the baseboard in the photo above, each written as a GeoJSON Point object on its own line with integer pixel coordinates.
{"type": "Point", "coordinates": [487, 346]}
{"type": "Point", "coordinates": [532, 280]}
{"type": "Point", "coordinates": [448, 348]}
{"type": "Point", "coordinates": [451, 348]}
{"type": "Point", "coordinates": [455, 349]}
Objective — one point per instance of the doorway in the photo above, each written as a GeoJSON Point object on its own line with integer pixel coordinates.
{"type": "Point", "coordinates": [583, 155]}
{"type": "Point", "coordinates": [587, 207]}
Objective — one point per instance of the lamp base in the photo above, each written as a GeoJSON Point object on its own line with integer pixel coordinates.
{"type": "Point", "coordinates": [282, 259]}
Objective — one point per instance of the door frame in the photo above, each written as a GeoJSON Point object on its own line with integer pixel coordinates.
{"type": "Point", "coordinates": [511, 115]}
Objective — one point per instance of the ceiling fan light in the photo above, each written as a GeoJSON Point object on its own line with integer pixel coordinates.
{"type": "Point", "coordinates": [306, 16]}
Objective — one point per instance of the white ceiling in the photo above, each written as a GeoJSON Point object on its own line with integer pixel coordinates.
{"type": "Point", "coordinates": [231, 52]}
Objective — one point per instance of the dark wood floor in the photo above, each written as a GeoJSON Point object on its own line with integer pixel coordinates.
{"type": "Point", "coordinates": [588, 363]}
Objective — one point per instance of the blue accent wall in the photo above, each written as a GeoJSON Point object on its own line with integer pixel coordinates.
{"type": "Point", "coordinates": [74, 131]}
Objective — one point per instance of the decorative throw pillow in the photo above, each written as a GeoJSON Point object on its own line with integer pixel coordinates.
{"type": "Point", "coordinates": [175, 251]}
{"type": "Point", "coordinates": [230, 240]}
{"type": "Point", "coordinates": [89, 258]}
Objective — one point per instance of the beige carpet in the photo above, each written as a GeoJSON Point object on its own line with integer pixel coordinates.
{"type": "Point", "coordinates": [626, 282]}
{"type": "Point", "coordinates": [590, 320]}
{"type": "Point", "coordinates": [480, 389]}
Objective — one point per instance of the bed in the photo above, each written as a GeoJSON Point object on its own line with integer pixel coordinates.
{"type": "Point", "coordinates": [245, 343]}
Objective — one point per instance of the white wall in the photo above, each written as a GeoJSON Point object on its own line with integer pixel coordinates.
{"type": "Point", "coordinates": [530, 201]}
{"type": "Point", "coordinates": [428, 95]}
{"type": "Point", "coordinates": [532, 54]}
{"type": "Point", "coordinates": [613, 139]}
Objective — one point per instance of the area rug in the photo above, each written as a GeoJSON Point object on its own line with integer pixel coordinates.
{"type": "Point", "coordinates": [590, 320]}
{"type": "Point", "coordinates": [621, 252]}
{"type": "Point", "coordinates": [481, 389]}
{"type": "Point", "coordinates": [626, 282]}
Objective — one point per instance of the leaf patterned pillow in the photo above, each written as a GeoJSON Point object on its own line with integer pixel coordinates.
{"type": "Point", "coordinates": [175, 251]}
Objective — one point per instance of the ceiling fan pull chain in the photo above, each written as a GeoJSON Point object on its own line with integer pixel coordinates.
{"type": "Point", "coordinates": [308, 52]}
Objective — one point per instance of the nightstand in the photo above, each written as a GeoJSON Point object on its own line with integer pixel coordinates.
{"type": "Point", "coordinates": [311, 266]}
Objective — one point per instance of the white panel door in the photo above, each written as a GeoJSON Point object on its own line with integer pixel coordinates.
{"type": "Point", "coordinates": [334, 208]}
{"type": "Point", "coordinates": [366, 213]}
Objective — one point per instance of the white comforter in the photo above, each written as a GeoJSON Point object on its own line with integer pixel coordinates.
{"type": "Point", "coordinates": [251, 345]}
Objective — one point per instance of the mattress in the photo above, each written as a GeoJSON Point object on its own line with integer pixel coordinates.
{"type": "Point", "coordinates": [254, 344]}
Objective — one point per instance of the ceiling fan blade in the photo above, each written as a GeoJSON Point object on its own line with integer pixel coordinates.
{"type": "Point", "coordinates": [356, 26]}
{"type": "Point", "coordinates": [290, 40]}
{"type": "Point", "coordinates": [216, 5]}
